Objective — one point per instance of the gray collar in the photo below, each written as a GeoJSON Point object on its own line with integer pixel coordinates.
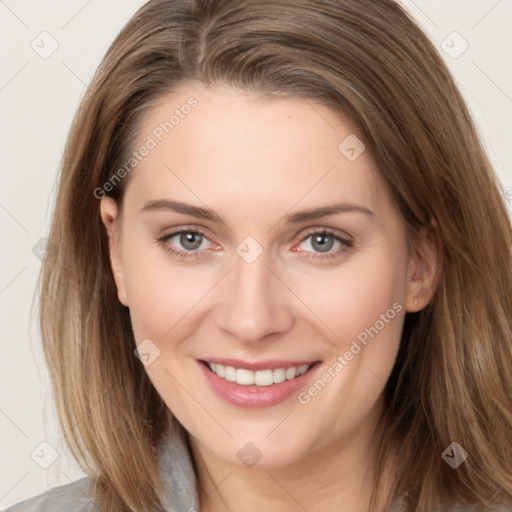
{"type": "Point", "coordinates": [177, 471]}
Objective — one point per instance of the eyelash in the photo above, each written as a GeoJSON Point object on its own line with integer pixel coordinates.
{"type": "Point", "coordinates": [197, 254]}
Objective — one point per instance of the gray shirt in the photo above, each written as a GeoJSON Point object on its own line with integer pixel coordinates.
{"type": "Point", "coordinates": [177, 474]}
{"type": "Point", "coordinates": [180, 492]}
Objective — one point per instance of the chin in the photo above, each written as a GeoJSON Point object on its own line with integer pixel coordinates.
{"type": "Point", "coordinates": [259, 452]}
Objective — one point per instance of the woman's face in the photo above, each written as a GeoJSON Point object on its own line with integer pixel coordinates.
{"type": "Point", "coordinates": [253, 271]}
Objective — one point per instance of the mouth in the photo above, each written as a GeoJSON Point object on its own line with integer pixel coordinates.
{"type": "Point", "coordinates": [268, 375]}
{"type": "Point", "coordinates": [257, 385]}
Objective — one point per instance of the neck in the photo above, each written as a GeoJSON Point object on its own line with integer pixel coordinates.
{"type": "Point", "coordinates": [340, 476]}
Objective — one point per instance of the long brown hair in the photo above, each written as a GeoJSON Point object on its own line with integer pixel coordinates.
{"type": "Point", "coordinates": [452, 380]}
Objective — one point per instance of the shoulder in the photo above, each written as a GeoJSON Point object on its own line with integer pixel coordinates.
{"type": "Point", "coordinates": [73, 497]}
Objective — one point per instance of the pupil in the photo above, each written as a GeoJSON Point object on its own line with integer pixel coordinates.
{"type": "Point", "coordinates": [188, 238]}
{"type": "Point", "coordinates": [321, 238]}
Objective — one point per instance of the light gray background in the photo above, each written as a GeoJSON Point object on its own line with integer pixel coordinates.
{"type": "Point", "coordinates": [38, 97]}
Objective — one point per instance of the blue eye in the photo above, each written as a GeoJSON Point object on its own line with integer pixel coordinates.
{"type": "Point", "coordinates": [322, 242]}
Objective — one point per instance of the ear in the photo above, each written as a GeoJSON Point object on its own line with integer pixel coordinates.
{"type": "Point", "coordinates": [109, 216]}
{"type": "Point", "coordinates": [423, 269]}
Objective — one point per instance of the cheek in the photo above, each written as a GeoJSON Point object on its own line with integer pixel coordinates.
{"type": "Point", "coordinates": [160, 301]}
{"type": "Point", "coordinates": [357, 296]}
{"type": "Point", "coordinates": [160, 291]}
{"type": "Point", "coordinates": [361, 309]}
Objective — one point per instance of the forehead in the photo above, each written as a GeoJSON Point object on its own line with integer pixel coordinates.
{"type": "Point", "coordinates": [222, 143]}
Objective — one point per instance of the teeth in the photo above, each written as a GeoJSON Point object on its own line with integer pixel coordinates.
{"type": "Point", "coordinates": [263, 377]}
{"type": "Point", "coordinates": [260, 377]}
{"type": "Point", "coordinates": [291, 373]}
{"type": "Point", "coordinates": [230, 374]}
{"type": "Point", "coordinates": [245, 377]}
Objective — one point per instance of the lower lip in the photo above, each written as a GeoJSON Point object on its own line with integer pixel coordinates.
{"type": "Point", "coordinates": [255, 397]}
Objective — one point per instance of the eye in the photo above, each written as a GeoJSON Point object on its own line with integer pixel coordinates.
{"type": "Point", "coordinates": [322, 240]}
{"type": "Point", "coordinates": [190, 240]}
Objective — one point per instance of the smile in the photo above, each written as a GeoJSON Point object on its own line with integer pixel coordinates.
{"type": "Point", "coordinates": [256, 384]}
{"type": "Point", "coordinates": [265, 377]}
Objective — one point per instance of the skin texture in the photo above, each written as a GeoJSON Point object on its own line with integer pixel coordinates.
{"type": "Point", "coordinates": [253, 161]}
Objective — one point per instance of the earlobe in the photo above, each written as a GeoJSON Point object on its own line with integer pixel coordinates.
{"type": "Point", "coordinates": [109, 216]}
{"type": "Point", "coordinates": [423, 271]}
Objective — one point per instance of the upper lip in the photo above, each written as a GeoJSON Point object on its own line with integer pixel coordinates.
{"type": "Point", "coordinates": [270, 364]}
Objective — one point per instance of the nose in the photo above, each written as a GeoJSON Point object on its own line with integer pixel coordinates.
{"type": "Point", "coordinates": [255, 304]}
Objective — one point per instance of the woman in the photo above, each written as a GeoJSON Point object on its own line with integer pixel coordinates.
{"type": "Point", "coordinates": [339, 337]}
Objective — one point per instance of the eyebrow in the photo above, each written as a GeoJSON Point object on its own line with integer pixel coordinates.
{"type": "Point", "coordinates": [292, 218]}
